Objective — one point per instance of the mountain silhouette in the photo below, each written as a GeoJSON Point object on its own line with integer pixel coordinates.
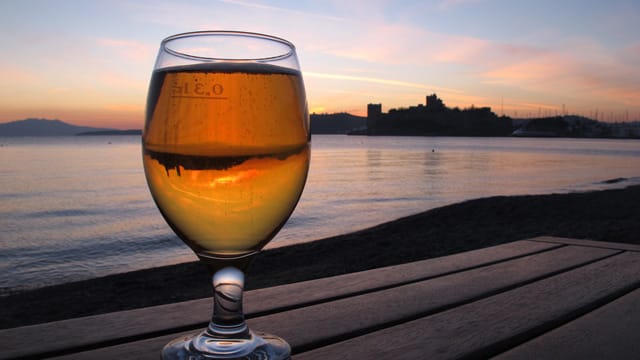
{"type": "Point", "coordinates": [339, 123]}
{"type": "Point", "coordinates": [44, 127]}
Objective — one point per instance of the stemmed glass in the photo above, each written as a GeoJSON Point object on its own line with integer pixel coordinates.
{"type": "Point", "coordinates": [226, 150]}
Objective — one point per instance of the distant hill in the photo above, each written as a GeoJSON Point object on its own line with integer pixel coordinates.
{"type": "Point", "coordinates": [44, 127]}
{"type": "Point", "coordinates": [340, 123]}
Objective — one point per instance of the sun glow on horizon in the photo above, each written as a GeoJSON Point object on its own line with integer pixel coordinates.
{"type": "Point", "coordinates": [89, 64]}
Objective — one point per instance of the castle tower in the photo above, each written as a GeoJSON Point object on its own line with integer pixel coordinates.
{"type": "Point", "coordinates": [434, 103]}
{"type": "Point", "coordinates": [374, 112]}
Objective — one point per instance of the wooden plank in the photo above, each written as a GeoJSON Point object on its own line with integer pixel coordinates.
{"type": "Point", "coordinates": [99, 329]}
{"type": "Point", "coordinates": [328, 322]}
{"type": "Point", "coordinates": [584, 242]}
{"type": "Point", "coordinates": [305, 293]}
{"type": "Point", "coordinates": [492, 325]}
{"type": "Point", "coordinates": [609, 332]}
{"type": "Point", "coordinates": [153, 321]}
{"type": "Point", "coordinates": [148, 349]}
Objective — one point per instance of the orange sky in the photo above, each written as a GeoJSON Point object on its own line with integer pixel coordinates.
{"type": "Point", "coordinates": [89, 63]}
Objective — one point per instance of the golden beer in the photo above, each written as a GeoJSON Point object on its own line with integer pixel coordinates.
{"type": "Point", "coordinates": [226, 153]}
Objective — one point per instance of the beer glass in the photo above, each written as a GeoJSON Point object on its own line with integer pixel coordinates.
{"type": "Point", "coordinates": [226, 148]}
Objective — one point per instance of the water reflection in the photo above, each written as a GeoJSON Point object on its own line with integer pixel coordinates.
{"type": "Point", "coordinates": [433, 162]}
{"type": "Point", "coordinates": [401, 176]}
{"type": "Point", "coordinates": [374, 162]}
{"type": "Point", "coordinates": [79, 207]}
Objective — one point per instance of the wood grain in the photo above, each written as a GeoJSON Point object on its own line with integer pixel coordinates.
{"type": "Point", "coordinates": [510, 300]}
{"type": "Point", "coordinates": [484, 328]}
{"type": "Point", "coordinates": [154, 321]}
{"type": "Point", "coordinates": [325, 323]}
{"type": "Point", "coordinates": [609, 332]}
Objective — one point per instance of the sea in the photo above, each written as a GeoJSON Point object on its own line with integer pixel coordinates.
{"type": "Point", "coordinates": [75, 208]}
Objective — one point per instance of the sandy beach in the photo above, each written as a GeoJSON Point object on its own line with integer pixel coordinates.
{"type": "Point", "coordinates": [608, 215]}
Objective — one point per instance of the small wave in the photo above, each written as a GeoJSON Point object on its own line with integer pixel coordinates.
{"type": "Point", "coordinates": [614, 181]}
{"type": "Point", "coordinates": [610, 184]}
{"type": "Point", "coordinates": [82, 259]}
{"type": "Point", "coordinates": [398, 199]}
{"type": "Point", "coordinates": [63, 213]}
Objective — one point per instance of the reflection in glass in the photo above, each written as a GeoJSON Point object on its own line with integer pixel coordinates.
{"type": "Point", "coordinates": [226, 151]}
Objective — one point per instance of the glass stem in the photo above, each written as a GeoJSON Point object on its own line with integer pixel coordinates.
{"type": "Point", "coordinates": [227, 320]}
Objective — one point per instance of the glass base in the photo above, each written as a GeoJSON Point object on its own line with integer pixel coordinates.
{"type": "Point", "coordinates": [203, 347]}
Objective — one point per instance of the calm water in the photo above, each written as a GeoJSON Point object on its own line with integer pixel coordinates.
{"type": "Point", "coordinates": [78, 207]}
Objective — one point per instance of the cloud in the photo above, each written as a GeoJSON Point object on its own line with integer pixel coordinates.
{"type": "Point", "coordinates": [459, 49]}
{"type": "Point", "coordinates": [398, 44]}
{"type": "Point", "coordinates": [137, 108]}
{"type": "Point", "coordinates": [579, 69]}
{"type": "Point", "coordinates": [449, 4]}
{"type": "Point", "coordinates": [389, 82]}
{"type": "Point", "coordinates": [576, 68]}
{"type": "Point", "coordinates": [59, 90]}
{"type": "Point", "coordinates": [120, 82]}
{"type": "Point", "coordinates": [289, 11]}
{"type": "Point", "coordinates": [535, 70]}
{"type": "Point", "coordinates": [129, 50]}
{"type": "Point", "coordinates": [14, 74]}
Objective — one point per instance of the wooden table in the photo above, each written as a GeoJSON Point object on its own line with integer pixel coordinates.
{"type": "Point", "coordinates": [540, 298]}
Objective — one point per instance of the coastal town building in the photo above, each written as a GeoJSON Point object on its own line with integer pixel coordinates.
{"type": "Point", "coordinates": [435, 118]}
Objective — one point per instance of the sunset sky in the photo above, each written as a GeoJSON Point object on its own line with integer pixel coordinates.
{"type": "Point", "coordinates": [89, 62]}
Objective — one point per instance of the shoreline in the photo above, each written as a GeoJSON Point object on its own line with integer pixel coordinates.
{"type": "Point", "coordinates": [604, 215]}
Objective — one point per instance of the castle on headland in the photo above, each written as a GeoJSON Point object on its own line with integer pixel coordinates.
{"type": "Point", "coordinates": [435, 118]}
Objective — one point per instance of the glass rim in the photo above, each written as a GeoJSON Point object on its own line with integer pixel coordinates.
{"type": "Point", "coordinates": [255, 35]}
